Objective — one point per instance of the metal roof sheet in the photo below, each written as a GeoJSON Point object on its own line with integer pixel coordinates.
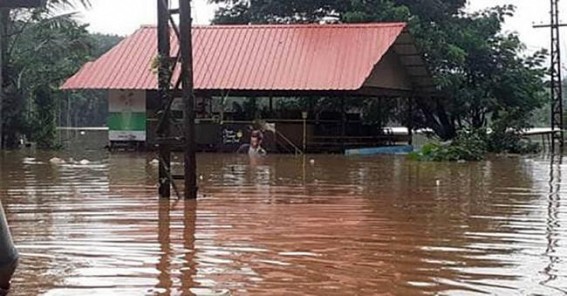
{"type": "Point", "coordinates": [252, 57]}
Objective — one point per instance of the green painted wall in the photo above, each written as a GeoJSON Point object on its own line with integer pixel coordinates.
{"type": "Point", "coordinates": [127, 121]}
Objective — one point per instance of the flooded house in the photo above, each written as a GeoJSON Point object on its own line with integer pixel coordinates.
{"type": "Point", "coordinates": [266, 76]}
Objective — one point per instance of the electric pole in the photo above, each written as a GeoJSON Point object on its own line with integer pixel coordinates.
{"type": "Point", "coordinates": [555, 75]}
{"type": "Point", "coordinates": [168, 89]}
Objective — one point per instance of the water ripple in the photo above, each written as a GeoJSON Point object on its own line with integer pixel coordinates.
{"type": "Point", "coordinates": [340, 226]}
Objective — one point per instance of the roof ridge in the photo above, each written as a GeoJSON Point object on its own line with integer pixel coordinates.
{"type": "Point", "coordinates": [282, 26]}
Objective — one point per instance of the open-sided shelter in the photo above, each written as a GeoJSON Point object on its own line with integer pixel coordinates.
{"type": "Point", "coordinates": [342, 60]}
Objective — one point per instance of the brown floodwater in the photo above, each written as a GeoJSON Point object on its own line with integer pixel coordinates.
{"type": "Point", "coordinates": [287, 226]}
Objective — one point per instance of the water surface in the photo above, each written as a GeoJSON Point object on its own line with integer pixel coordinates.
{"type": "Point", "coordinates": [287, 226]}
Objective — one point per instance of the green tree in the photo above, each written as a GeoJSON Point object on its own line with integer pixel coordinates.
{"type": "Point", "coordinates": [481, 72]}
{"type": "Point", "coordinates": [103, 43]}
{"type": "Point", "coordinates": [41, 49]}
{"type": "Point", "coordinates": [88, 107]}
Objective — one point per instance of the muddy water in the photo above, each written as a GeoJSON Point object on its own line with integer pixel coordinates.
{"type": "Point", "coordinates": [282, 226]}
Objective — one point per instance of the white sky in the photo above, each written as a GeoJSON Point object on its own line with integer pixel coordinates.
{"type": "Point", "coordinates": [125, 16]}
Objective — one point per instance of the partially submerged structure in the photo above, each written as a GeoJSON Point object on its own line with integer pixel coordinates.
{"type": "Point", "coordinates": [273, 62]}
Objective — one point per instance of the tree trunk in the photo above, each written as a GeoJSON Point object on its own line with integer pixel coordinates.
{"type": "Point", "coordinates": [437, 119]}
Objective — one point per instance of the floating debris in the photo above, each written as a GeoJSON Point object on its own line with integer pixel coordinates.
{"type": "Point", "coordinates": [57, 160]}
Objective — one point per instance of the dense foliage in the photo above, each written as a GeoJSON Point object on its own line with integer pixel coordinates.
{"type": "Point", "coordinates": [88, 107]}
{"type": "Point", "coordinates": [485, 79]}
{"type": "Point", "coordinates": [44, 47]}
{"type": "Point", "coordinates": [467, 146]}
{"type": "Point", "coordinates": [481, 72]}
{"type": "Point", "coordinates": [473, 145]}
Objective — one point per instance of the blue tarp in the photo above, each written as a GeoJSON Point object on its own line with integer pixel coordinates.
{"type": "Point", "coordinates": [390, 150]}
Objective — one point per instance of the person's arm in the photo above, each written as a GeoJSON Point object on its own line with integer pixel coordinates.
{"type": "Point", "coordinates": [243, 149]}
{"type": "Point", "coordinates": [262, 152]}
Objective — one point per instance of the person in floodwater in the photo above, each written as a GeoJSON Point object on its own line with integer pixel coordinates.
{"type": "Point", "coordinates": [254, 149]}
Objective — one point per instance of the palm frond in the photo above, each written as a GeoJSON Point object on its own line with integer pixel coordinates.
{"type": "Point", "coordinates": [61, 21]}
{"type": "Point", "coordinates": [60, 4]}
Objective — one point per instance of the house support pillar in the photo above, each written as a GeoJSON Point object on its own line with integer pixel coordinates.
{"type": "Point", "coordinates": [410, 123]}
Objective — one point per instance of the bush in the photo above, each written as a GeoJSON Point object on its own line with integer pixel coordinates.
{"type": "Point", "coordinates": [467, 146]}
{"type": "Point", "coordinates": [506, 136]}
{"type": "Point", "coordinates": [511, 142]}
{"type": "Point", "coordinates": [473, 145]}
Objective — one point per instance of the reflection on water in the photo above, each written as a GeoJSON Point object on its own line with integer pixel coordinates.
{"type": "Point", "coordinates": [553, 223]}
{"type": "Point", "coordinates": [287, 226]}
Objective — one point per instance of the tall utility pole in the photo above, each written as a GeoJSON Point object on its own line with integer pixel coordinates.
{"type": "Point", "coordinates": [556, 82]}
{"type": "Point", "coordinates": [555, 73]}
{"type": "Point", "coordinates": [168, 89]}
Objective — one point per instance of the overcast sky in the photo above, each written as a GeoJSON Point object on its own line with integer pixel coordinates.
{"type": "Point", "coordinates": [125, 16]}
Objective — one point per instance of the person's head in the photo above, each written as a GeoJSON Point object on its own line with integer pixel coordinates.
{"type": "Point", "coordinates": [256, 139]}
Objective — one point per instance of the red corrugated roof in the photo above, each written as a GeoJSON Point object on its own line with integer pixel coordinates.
{"type": "Point", "coordinates": [252, 57]}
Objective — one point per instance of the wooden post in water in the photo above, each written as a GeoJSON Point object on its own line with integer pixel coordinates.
{"type": "Point", "coordinates": [164, 240]}
{"type": "Point", "coordinates": [164, 79]}
{"type": "Point", "coordinates": [185, 23]}
{"type": "Point", "coordinates": [189, 273]}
